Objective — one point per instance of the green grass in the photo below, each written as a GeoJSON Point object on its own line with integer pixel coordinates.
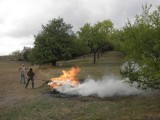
{"type": "Point", "coordinates": [87, 108]}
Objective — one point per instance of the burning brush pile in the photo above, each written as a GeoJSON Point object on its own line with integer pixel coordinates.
{"type": "Point", "coordinates": [68, 78]}
{"type": "Point", "coordinates": [68, 84]}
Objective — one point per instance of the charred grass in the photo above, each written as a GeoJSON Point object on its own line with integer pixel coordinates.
{"type": "Point", "coordinates": [46, 106]}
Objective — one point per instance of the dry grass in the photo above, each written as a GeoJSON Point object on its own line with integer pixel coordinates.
{"type": "Point", "coordinates": [18, 103]}
{"type": "Point", "coordinates": [12, 93]}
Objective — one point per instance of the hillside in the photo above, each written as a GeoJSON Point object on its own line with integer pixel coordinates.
{"type": "Point", "coordinates": [18, 103]}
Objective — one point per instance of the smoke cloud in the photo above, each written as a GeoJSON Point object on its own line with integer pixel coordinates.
{"type": "Point", "coordinates": [106, 87]}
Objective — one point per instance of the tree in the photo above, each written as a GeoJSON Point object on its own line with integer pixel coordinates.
{"type": "Point", "coordinates": [18, 54]}
{"type": "Point", "coordinates": [103, 30]}
{"type": "Point", "coordinates": [80, 48]}
{"type": "Point", "coordinates": [25, 52]}
{"type": "Point", "coordinates": [117, 39]}
{"type": "Point", "coordinates": [54, 42]}
{"type": "Point", "coordinates": [142, 46]}
{"type": "Point", "coordinates": [95, 37]}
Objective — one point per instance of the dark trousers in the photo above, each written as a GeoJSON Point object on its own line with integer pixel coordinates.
{"type": "Point", "coordinates": [32, 79]}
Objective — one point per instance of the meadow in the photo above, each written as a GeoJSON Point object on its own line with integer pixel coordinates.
{"type": "Point", "coordinates": [18, 103]}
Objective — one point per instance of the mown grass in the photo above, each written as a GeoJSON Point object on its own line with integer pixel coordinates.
{"type": "Point", "coordinates": [107, 65]}
{"type": "Point", "coordinates": [50, 107]}
{"type": "Point", "coordinates": [87, 108]}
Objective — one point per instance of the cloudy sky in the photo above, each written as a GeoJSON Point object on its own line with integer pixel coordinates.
{"type": "Point", "coordinates": [21, 19]}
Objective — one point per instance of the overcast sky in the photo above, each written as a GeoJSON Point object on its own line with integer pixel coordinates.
{"type": "Point", "coordinates": [21, 19]}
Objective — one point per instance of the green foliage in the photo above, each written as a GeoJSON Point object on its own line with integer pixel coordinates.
{"type": "Point", "coordinates": [79, 48]}
{"type": "Point", "coordinates": [142, 46]}
{"type": "Point", "coordinates": [54, 42]}
{"type": "Point", "coordinates": [22, 54]}
{"type": "Point", "coordinates": [18, 54]}
{"type": "Point", "coordinates": [96, 37]}
{"type": "Point", "coordinates": [117, 39]}
{"type": "Point", "coordinates": [26, 51]}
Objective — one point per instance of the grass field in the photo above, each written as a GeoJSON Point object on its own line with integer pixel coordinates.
{"type": "Point", "coordinates": [18, 103]}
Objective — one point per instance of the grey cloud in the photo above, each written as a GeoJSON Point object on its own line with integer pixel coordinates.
{"type": "Point", "coordinates": [25, 29]}
{"type": "Point", "coordinates": [74, 12]}
{"type": "Point", "coordinates": [122, 11]}
{"type": "Point", "coordinates": [78, 13]}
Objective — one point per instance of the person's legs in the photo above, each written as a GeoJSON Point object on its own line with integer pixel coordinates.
{"type": "Point", "coordinates": [32, 83]}
{"type": "Point", "coordinates": [23, 77]}
{"type": "Point", "coordinates": [28, 82]}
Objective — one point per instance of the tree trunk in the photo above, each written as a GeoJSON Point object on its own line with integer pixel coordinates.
{"type": "Point", "coordinates": [94, 58]}
{"type": "Point", "coordinates": [53, 63]}
{"type": "Point", "coordinates": [98, 54]}
{"type": "Point", "coordinates": [101, 54]}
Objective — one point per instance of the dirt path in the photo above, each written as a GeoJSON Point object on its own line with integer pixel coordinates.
{"type": "Point", "coordinates": [12, 93]}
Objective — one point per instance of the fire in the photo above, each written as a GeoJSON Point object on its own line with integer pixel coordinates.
{"type": "Point", "coordinates": [68, 77]}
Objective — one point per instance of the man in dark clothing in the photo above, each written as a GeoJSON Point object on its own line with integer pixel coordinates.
{"type": "Point", "coordinates": [31, 76]}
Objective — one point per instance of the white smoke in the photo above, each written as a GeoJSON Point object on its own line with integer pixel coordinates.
{"type": "Point", "coordinates": [106, 87]}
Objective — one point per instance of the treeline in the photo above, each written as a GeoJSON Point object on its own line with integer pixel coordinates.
{"type": "Point", "coordinates": [57, 41]}
{"type": "Point", "coordinates": [140, 42]}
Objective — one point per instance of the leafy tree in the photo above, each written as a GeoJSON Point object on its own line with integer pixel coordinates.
{"type": "Point", "coordinates": [103, 31]}
{"type": "Point", "coordinates": [117, 39]}
{"type": "Point", "coordinates": [25, 52]}
{"type": "Point", "coordinates": [18, 54]}
{"type": "Point", "coordinates": [142, 46]}
{"type": "Point", "coordinates": [54, 42]}
{"type": "Point", "coordinates": [95, 37]}
{"type": "Point", "coordinates": [80, 48]}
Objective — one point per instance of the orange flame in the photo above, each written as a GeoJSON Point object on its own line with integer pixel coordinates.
{"type": "Point", "coordinates": [68, 77]}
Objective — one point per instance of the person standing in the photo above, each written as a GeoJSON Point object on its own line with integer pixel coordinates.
{"type": "Point", "coordinates": [31, 76]}
{"type": "Point", "coordinates": [22, 71]}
